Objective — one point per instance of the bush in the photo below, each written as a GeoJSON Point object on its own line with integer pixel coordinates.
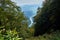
{"type": "Point", "coordinates": [10, 35]}
{"type": "Point", "coordinates": [52, 36]}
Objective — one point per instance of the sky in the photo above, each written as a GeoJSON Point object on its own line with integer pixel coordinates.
{"type": "Point", "coordinates": [28, 2]}
{"type": "Point", "coordinates": [29, 7]}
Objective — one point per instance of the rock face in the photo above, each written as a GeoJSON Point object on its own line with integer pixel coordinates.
{"type": "Point", "coordinates": [49, 18]}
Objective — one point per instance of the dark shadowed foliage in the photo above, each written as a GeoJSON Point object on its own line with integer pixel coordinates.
{"type": "Point", "coordinates": [47, 17]}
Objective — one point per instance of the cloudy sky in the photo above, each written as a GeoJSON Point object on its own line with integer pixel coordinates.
{"type": "Point", "coordinates": [29, 7]}
{"type": "Point", "coordinates": [28, 2]}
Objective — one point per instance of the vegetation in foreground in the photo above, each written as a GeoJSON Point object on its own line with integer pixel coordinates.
{"type": "Point", "coordinates": [52, 36]}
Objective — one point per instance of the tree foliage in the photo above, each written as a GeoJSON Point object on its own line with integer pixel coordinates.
{"type": "Point", "coordinates": [11, 18]}
{"type": "Point", "coordinates": [47, 17]}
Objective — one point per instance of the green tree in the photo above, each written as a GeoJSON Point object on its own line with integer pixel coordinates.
{"type": "Point", "coordinates": [47, 17]}
{"type": "Point", "coordinates": [11, 17]}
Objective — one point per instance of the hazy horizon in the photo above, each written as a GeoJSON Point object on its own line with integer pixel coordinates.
{"type": "Point", "coordinates": [29, 7]}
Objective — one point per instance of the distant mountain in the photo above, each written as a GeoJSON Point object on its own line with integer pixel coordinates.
{"type": "Point", "coordinates": [29, 12]}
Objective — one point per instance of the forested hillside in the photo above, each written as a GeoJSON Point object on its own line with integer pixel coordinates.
{"type": "Point", "coordinates": [47, 18]}
{"type": "Point", "coordinates": [14, 24]}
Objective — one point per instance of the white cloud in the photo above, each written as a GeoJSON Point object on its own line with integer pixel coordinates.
{"type": "Point", "coordinates": [28, 2]}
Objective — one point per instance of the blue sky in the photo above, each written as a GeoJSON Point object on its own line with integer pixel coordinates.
{"type": "Point", "coordinates": [29, 7]}
{"type": "Point", "coordinates": [28, 2]}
